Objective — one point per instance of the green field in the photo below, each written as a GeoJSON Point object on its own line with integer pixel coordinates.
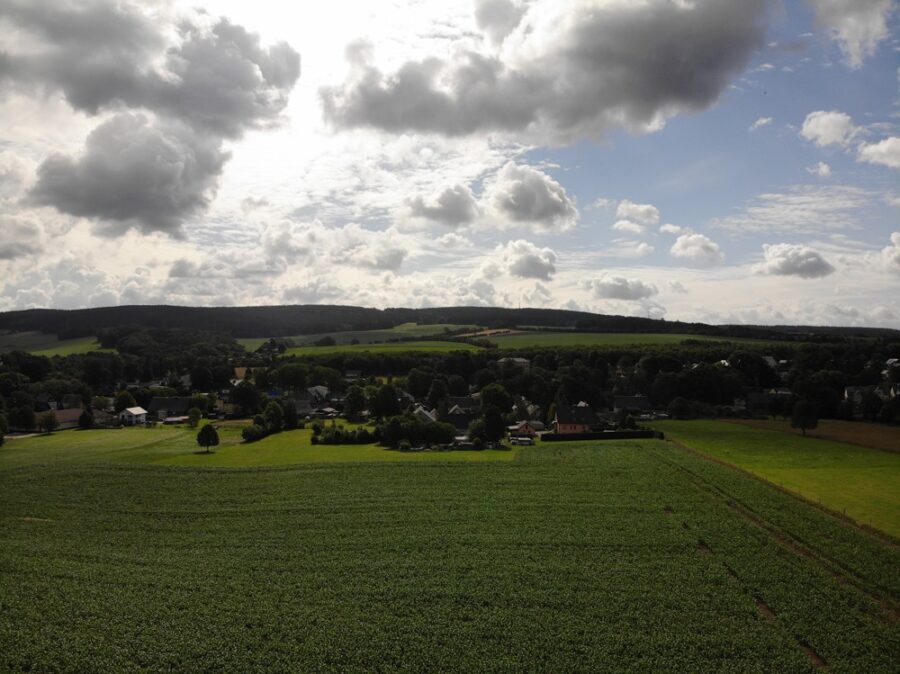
{"type": "Point", "coordinates": [43, 344]}
{"type": "Point", "coordinates": [435, 346]}
{"type": "Point", "coordinates": [529, 340]}
{"type": "Point", "coordinates": [176, 446]}
{"type": "Point", "coordinates": [860, 482]}
{"type": "Point", "coordinates": [615, 557]}
{"type": "Point", "coordinates": [402, 331]}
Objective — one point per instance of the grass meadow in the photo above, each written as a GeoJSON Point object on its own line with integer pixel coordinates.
{"type": "Point", "coordinates": [570, 339]}
{"type": "Point", "coordinates": [618, 557]}
{"type": "Point", "coordinates": [435, 346]}
{"type": "Point", "coordinates": [861, 482]}
{"type": "Point", "coordinates": [42, 344]}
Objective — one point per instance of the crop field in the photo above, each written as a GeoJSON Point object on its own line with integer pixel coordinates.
{"type": "Point", "coordinates": [437, 346]}
{"type": "Point", "coordinates": [43, 344]}
{"type": "Point", "coordinates": [857, 481]}
{"type": "Point", "coordinates": [615, 557]}
{"type": "Point", "coordinates": [404, 330]}
{"type": "Point", "coordinates": [525, 340]}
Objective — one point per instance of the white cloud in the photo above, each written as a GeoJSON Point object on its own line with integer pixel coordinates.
{"type": "Point", "coordinates": [454, 206]}
{"type": "Point", "coordinates": [629, 227]}
{"type": "Point", "coordinates": [523, 195]}
{"type": "Point", "coordinates": [829, 128]}
{"type": "Point", "coordinates": [886, 152]}
{"type": "Point", "coordinates": [858, 26]}
{"type": "Point", "coordinates": [821, 169]}
{"type": "Point", "coordinates": [784, 259]}
{"type": "Point", "coordinates": [805, 209]}
{"type": "Point", "coordinates": [645, 214]}
{"type": "Point", "coordinates": [20, 237]}
{"type": "Point", "coordinates": [565, 71]}
{"type": "Point", "coordinates": [523, 259]}
{"type": "Point", "coordinates": [760, 123]}
{"type": "Point", "coordinates": [697, 250]}
{"type": "Point", "coordinates": [452, 240]}
{"type": "Point", "coordinates": [620, 288]}
{"type": "Point", "coordinates": [890, 255]}
{"type": "Point", "coordinates": [675, 230]}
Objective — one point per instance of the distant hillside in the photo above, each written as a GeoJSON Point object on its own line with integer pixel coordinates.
{"type": "Point", "coordinates": [281, 321]}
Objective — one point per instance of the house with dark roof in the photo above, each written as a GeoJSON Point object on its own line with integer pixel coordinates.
{"type": "Point", "coordinates": [162, 407]}
{"type": "Point", "coordinates": [631, 403]}
{"type": "Point", "coordinates": [574, 419]}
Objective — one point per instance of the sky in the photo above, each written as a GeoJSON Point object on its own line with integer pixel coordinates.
{"type": "Point", "coordinates": [724, 161]}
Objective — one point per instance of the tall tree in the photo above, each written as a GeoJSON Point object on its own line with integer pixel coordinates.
{"type": "Point", "coordinates": [804, 415]}
{"type": "Point", "coordinates": [208, 437]}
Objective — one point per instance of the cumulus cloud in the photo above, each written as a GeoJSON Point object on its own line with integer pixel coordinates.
{"type": "Point", "coordinates": [645, 214]}
{"type": "Point", "coordinates": [298, 241]}
{"type": "Point", "coordinates": [697, 250]}
{"type": "Point", "coordinates": [202, 81]}
{"type": "Point", "coordinates": [821, 169]}
{"type": "Point", "coordinates": [19, 237]}
{"type": "Point", "coordinates": [829, 128]}
{"type": "Point", "coordinates": [620, 288]}
{"type": "Point", "coordinates": [452, 240]}
{"type": "Point", "coordinates": [567, 70]}
{"type": "Point", "coordinates": [454, 206]}
{"type": "Point", "coordinates": [890, 255]}
{"type": "Point", "coordinates": [134, 172]}
{"type": "Point", "coordinates": [886, 152]}
{"type": "Point", "coordinates": [629, 227]}
{"type": "Point", "coordinates": [858, 26]}
{"type": "Point", "coordinates": [523, 195]}
{"type": "Point", "coordinates": [498, 18]}
{"type": "Point", "coordinates": [785, 259]}
{"type": "Point", "coordinates": [675, 230]}
{"type": "Point", "coordinates": [102, 55]}
{"type": "Point", "coordinates": [760, 123]}
{"type": "Point", "coordinates": [522, 259]}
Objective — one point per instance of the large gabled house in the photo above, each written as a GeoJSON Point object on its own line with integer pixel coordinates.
{"type": "Point", "coordinates": [574, 419]}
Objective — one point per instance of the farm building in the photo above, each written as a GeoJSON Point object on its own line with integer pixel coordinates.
{"type": "Point", "coordinates": [522, 428]}
{"type": "Point", "coordinates": [133, 415]}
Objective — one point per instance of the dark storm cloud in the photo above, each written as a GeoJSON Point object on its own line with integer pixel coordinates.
{"type": "Point", "coordinates": [103, 55]}
{"type": "Point", "coordinates": [203, 84]}
{"type": "Point", "coordinates": [134, 172]}
{"type": "Point", "coordinates": [580, 72]}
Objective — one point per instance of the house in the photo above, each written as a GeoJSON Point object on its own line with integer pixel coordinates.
{"type": "Point", "coordinates": [522, 363]}
{"type": "Point", "coordinates": [424, 415]}
{"type": "Point", "coordinates": [631, 403]}
{"type": "Point", "coordinates": [318, 394]}
{"type": "Point", "coordinates": [461, 418]}
{"type": "Point", "coordinates": [133, 415]}
{"type": "Point", "coordinates": [574, 419]}
{"type": "Point", "coordinates": [464, 403]}
{"type": "Point", "coordinates": [855, 394]}
{"type": "Point", "coordinates": [162, 407]}
{"type": "Point", "coordinates": [525, 428]}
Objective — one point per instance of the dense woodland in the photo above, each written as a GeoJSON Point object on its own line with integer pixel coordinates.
{"type": "Point", "coordinates": [282, 321]}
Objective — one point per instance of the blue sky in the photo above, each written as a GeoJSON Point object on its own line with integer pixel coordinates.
{"type": "Point", "coordinates": [725, 161]}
